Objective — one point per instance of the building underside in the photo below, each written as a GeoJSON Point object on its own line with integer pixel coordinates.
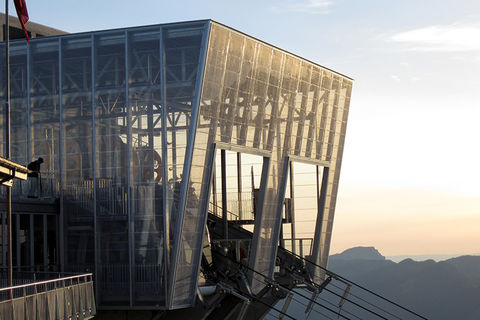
{"type": "Point", "coordinates": [191, 168]}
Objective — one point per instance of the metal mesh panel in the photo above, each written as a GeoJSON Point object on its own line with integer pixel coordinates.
{"type": "Point", "coordinates": [187, 220]}
{"type": "Point", "coordinates": [19, 308]}
{"type": "Point", "coordinates": [51, 304]}
{"type": "Point", "coordinates": [68, 303]}
{"type": "Point", "coordinates": [6, 310]}
{"type": "Point", "coordinates": [41, 301]}
{"type": "Point", "coordinates": [263, 98]}
{"type": "Point", "coordinates": [60, 298]}
{"type": "Point", "coordinates": [76, 308]}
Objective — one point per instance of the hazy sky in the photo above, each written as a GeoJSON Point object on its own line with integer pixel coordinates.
{"type": "Point", "coordinates": [410, 180]}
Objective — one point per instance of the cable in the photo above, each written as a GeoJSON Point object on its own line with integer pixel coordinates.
{"type": "Point", "coordinates": [265, 277]}
{"type": "Point", "coordinates": [272, 307]}
{"type": "Point", "coordinates": [359, 286]}
{"type": "Point", "coordinates": [367, 302]}
{"type": "Point", "coordinates": [328, 302]}
{"type": "Point", "coordinates": [345, 311]}
{"type": "Point", "coordinates": [305, 305]}
{"type": "Point", "coordinates": [352, 302]}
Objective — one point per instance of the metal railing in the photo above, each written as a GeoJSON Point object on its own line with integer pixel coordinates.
{"type": "Point", "coordinates": [47, 186]}
{"type": "Point", "coordinates": [302, 246]}
{"type": "Point", "coordinates": [21, 291]}
{"type": "Point", "coordinates": [236, 210]}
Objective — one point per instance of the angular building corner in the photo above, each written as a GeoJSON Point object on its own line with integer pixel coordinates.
{"type": "Point", "coordinates": [174, 155]}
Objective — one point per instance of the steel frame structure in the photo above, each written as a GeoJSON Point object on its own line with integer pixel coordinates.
{"type": "Point", "coordinates": [129, 121]}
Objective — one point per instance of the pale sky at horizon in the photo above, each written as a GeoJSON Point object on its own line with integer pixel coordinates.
{"type": "Point", "coordinates": [410, 174]}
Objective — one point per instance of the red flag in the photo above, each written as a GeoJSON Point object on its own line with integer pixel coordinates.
{"type": "Point", "coordinates": [22, 13]}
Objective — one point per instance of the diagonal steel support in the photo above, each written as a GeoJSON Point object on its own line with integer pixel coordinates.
{"type": "Point", "coordinates": [345, 294]}
{"type": "Point", "coordinates": [285, 306]}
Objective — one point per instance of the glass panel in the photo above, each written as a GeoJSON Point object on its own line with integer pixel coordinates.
{"type": "Point", "coordinates": [243, 173]}
{"type": "Point", "coordinates": [182, 54]}
{"type": "Point", "coordinates": [146, 166]}
{"type": "Point", "coordinates": [45, 113]}
{"type": "Point", "coordinates": [305, 208]}
{"type": "Point", "coordinates": [111, 143]}
{"type": "Point", "coordinates": [77, 175]}
{"type": "Point", "coordinates": [19, 111]}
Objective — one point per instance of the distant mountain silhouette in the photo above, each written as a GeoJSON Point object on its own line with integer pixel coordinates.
{"type": "Point", "coordinates": [361, 253]}
{"type": "Point", "coordinates": [438, 290]}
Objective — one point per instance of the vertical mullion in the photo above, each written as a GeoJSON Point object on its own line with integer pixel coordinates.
{"type": "Point", "coordinates": [32, 242]}
{"type": "Point", "coordinates": [131, 238]}
{"type": "Point", "coordinates": [17, 238]}
{"type": "Point", "coordinates": [223, 162]}
{"type": "Point", "coordinates": [239, 185]}
{"type": "Point", "coordinates": [59, 252]}
{"type": "Point", "coordinates": [94, 165]}
{"type": "Point", "coordinates": [29, 137]}
{"type": "Point", "coordinates": [4, 240]}
{"type": "Point", "coordinates": [45, 247]}
{"type": "Point", "coordinates": [292, 207]}
{"type": "Point", "coordinates": [166, 212]}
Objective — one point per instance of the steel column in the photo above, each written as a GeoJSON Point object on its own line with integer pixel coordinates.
{"type": "Point", "coordinates": [239, 184]}
{"type": "Point", "coordinates": [316, 252]}
{"type": "Point", "coordinates": [32, 242]}
{"type": "Point", "coordinates": [4, 239]}
{"type": "Point", "coordinates": [206, 189]}
{"type": "Point", "coordinates": [278, 221]}
{"type": "Point", "coordinates": [94, 166]}
{"type": "Point", "coordinates": [292, 206]}
{"type": "Point", "coordinates": [224, 193]}
{"type": "Point", "coordinates": [188, 160]}
{"type": "Point", "coordinates": [165, 207]}
{"type": "Point", "coordinates": [17, 239]}
{"type": "Point", "coordinates": [131, 226]}
{"type": "Point", "coordinates": [60, 244]}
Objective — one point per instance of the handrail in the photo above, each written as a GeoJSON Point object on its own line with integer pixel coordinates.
{"type": "Point", "coordinates": [87, 277]}
{"type": "Point", "coordinates": [229, 212]}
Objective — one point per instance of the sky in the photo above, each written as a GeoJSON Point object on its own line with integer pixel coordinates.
{"type": "Point", "coordinates": [410, 175]}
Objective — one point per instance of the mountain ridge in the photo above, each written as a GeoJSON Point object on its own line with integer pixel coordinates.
{"type": "Point", "coordinates": [447, 289]}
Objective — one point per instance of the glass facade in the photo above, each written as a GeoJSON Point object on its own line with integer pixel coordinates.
{"type": "Point", "coordinates": [129, 122]}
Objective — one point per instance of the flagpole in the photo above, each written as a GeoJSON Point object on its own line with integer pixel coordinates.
{"type": "Point", "coordinates": [7, 151]}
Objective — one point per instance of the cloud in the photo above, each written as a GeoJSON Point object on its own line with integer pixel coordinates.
{"type": "Point", "coordinates": [395, 78]}
{"type": "Point", "coordinates": [443, 38]}
{"type": "Point", "coordinates": [308, 6]}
